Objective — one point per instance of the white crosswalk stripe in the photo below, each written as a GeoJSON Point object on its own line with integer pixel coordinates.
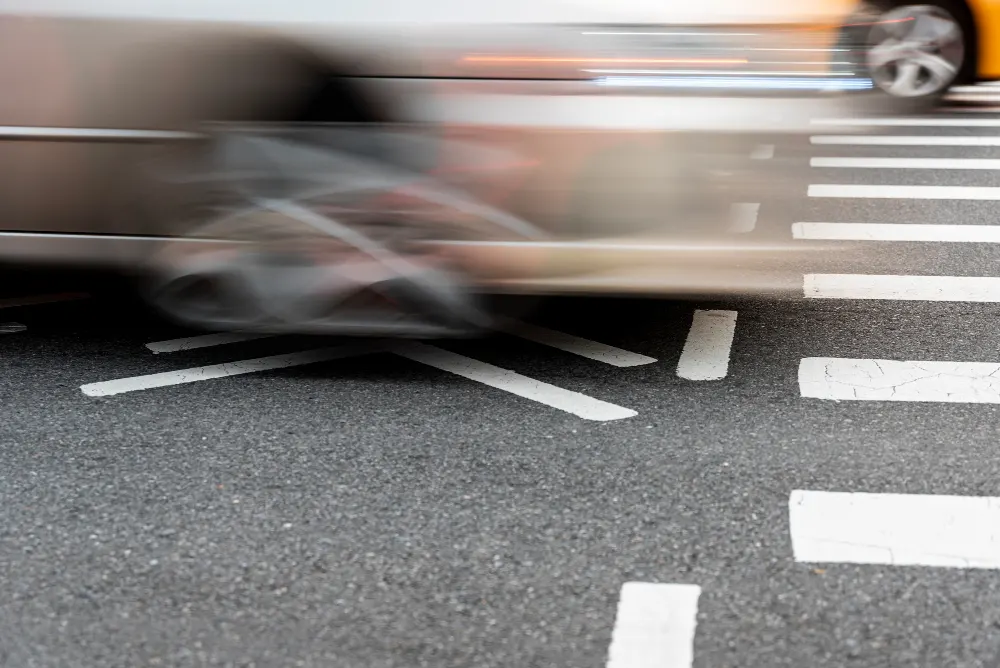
{"type": "Point", "coordinates": [911, 122]}
{"type": "Point", "coordinates": [655, 626]}
{"type": "Point", "coordinates": [906, 140]}
{"type": "Point", "coordinates": [853, 526]}
{"type": "Point", "coordinates": [905, 192]}
{"type": "Point", "coordinates": [897, 232]}
{"type": "Point", "coordinates": [906, 163]}
{"type": "Point", "coordinates": [902, 380]}
{"type": "Point", "coordinates": [895, 529]}
{"type": "Point", "coordinates": [905, 288]}
{"type": "Point", "coordinates": [839, 379]}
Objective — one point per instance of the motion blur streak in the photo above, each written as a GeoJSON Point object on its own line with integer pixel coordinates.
{"type": "Point", "coordinates": [638, 61]}
{"type": "Point", "coordinates": [356, 174]}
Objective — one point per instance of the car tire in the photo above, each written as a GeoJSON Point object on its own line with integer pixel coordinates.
{"type": "Point", "coordinates": [173, 205]}
{"type": "Point", "coordinates": [913, 52]}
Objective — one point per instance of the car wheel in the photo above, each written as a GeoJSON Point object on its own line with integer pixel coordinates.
{"type": "Point", "coordinates": [318, 231]}
{"type": "Point", "coordinates": [913, 53]}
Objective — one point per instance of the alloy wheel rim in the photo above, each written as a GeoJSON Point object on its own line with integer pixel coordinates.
{"type": "Point", "coordinates": [916, 51]}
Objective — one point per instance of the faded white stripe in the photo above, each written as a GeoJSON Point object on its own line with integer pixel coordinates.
{"type": "Point", "coordinates": [897, 232]}
{"type": "Point", "coordinates": [32, 300]}
{"type": "Point", "coordinates": [912, 122]}
{"type": "Point", "coordinates": [905, 192]}
{"type": "Point", "coordinates": [895, 529]}
{"type": "Point", "coordinates": [578, 404]}
{"type": "Point", "coordinates": [707, 349]}
{"type": "Point", "coordinates": [744, 217]}
{"type": "Point", "coordinates": [839, 379]}
{"type": "Point", "coordinates": [205, 341]}
{"type": "Point", "coordinates": [903, 140]}
{"type": "Point", "coordinates": [907, 163]}
{"type": "Point", "coordinates": [593, 350]}
{"type": "Point", "coordinates": [110, 387]}
{"type": "Point", "coordinates": [985, 88]}
{"type": "Point", "coordinates": [655, 626]}
{"type": "Point", "coordinates": [11, 327]}
{"type": "Point", "coordinates": [907, 288]}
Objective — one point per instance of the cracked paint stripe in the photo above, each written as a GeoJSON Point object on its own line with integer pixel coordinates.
{"type": "Point", "coordinates": [841, 379]}
{"type": "Point", "coordinates": [193, 375]}
{"type": "Point", "coordinates": [895, 529]}
{"type": "Point", "coordinates": [907, 288]}
{"type": "Point", "coordinates": [655, 626]}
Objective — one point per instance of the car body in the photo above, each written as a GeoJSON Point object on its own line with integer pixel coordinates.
{"type": "Point", "coordinates": [564, 146]}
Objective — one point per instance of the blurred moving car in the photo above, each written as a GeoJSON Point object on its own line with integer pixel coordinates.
{"type": "Point", "coordinates": [378, 167]}
{"type": "Point", "coordinates": [915, 51]}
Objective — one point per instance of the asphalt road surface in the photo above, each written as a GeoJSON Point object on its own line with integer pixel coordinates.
{"type": "Point", "coordinates": [747, 484]}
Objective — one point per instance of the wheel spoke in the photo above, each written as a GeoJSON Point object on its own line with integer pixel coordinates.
{"type": "Point", "coordinates": [939, 68]}
{"type": "Point", "coordinates": [885, 53]}
{"type": "Point", "coordinates": [907, 74]}
{"type": "Point", "coordinates": [323, 239]}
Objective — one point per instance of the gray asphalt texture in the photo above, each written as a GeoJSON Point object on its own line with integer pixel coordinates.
{"type": "Point", "coordinates": [372, 512]}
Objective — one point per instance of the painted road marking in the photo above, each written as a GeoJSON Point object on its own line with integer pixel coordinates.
{"type": "Point", "coordinates": [901, 140]}
{"type": "Point", "coordinates": [914, 122]}
{"type": "Point", "coordinates": [655, 626]}
{"type": "Point", "coordinates": [840, 379]}
{"type": "Point", "coordinates": [905, 192]}
{"type": "Point", "coordinates": [11, 327]}
{"type": "Point", "coordinates": [204, 341]}
{"type": "Point", "coordinates": [907, 163]}
{"type": "Point", "coordinates": [897, 232]}
{"type": "Point", "coordinates": [509, 381]}
{"type": "Point", "coordinates": [578, 404]}
{"type": "Point", "coordinates": [908, 288]}
{"type": "Point", "coordinates": [593, 350]}
{"type": "Point", "coordinates": [984, 87]}
{"type": "Point", "coordinates": [599, 352]}
{"type": "Point", "coordinates": [165, 379]}
{"type": "Point", "coordinates": [14, 302]}
{"type": "Point", "coordinates": [709, 342]}
{"type": "Point", "coordinates": [895, 529]}
{"type": "Point", "coordinates": [744, 217]}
